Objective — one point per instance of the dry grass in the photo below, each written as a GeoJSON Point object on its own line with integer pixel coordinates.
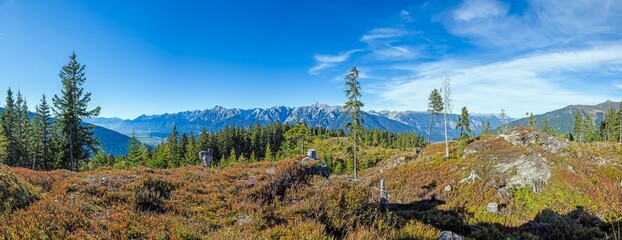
{"type": "Point", "coordinates": [282, 200]}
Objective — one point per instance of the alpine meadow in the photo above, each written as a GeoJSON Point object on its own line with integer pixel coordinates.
{"type": "Point", "coordinates": [448, 120]}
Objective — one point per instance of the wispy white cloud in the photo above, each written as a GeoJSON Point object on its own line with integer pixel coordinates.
{"type": "Point", "coordinates": [531, 83]}
{"type": "Point", "coordinates": [533, 58]}
{"type": "Point", "coordinates": [382, 33]}
{"type": "Point", "coordinates": [324, 61]}
{"type": "Point", "coordinates": [406, 16]}
{"type": "Point", "coordinates": [545, 23]}
{"type": "Point", "coordinates": [474, 9]}
{"type": "Point", "coordinates": [388, 51]}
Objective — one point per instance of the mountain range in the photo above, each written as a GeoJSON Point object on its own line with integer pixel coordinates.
{"type": "Point", "coordinates": [153, 129]}
{"type": "Point", "coordinates": [562, 120]}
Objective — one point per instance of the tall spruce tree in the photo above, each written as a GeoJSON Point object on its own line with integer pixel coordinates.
{"type": "Point", "coordinates": [578, 127]}
{"type": "Point", "coordinates": [172, 155]}
{"type": "Point", "coordinates": [463, 123]}
{"type": "Point", "coordinates": [353, 107]}
{"type": "Point", "coordinates": [546, 127]}
{"type": "Point", "coordinates": [70, 108]}
{"type": "Point", "coordinates": [22, 130]}
{"type": "Point", "coordinates": [486, 127]}
{"type": "Point", "coordinates": [435, 106]}
{"type": "Point", "coordinates": [3, 144]}
{"type": "Point", "coordinates": [135, 152]}
{"type": "Point", "coordinates": [588, 128]}
{"type": "Point", "coordinates": [9, 127]}
{"type": "Point", "coordinates": [531, 121]}
{"type": "Point", "coordinates": [298, 135]}
{"type": "Point", "coordinates": [41, 131]}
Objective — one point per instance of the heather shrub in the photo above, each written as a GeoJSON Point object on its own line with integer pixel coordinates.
{"type": "Point", "coordinates": [14, 193]}
{"type": "Point", "coordinates": [152, 194]}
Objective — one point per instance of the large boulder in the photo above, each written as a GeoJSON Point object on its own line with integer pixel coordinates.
{"type": "Point", "coordinates": [524, 170]}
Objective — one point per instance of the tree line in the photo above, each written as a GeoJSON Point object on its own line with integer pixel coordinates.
{"type": "Point", "coordinates": [234, 144]}
{"type": "Point", "coordinates": [586, 130]}
{"type": "Point", "coordinates": [55, 136]}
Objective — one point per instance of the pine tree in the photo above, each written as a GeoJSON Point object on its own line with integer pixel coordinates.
{"type": "Point", "coordinates": [9, 127]}
{"type": "Point", "coordinates": [545, 127]}
{"type": "Point", "coordinates": [463, 123]}
{"type": "Point", "coordinates": [172, 145]}
{"type": "Point", "coordinates": [299, 134]}
{"type": "Point", "coordinates": [135, 152]}
{"type": "Point", "coordinates": [435, 106]}
{"type": "Point", "coordinates": [58, 145]}
{"type": "Point", "coordinates": [22, 130]}
{"type": "Point", "coordinates": [70, 108]}
{"type": "Point", "coordinates": [353, 107]}
{"type": "Point", "coordinates": [486, 127]}
{"type": "Point", "coordinates": [578, 127]}
{"type": "Point", "coordinates": [191, 156]}
{"type": "Point", "coordinates": [531, 121]}
{"type": "Point", "coordinates": [588, 128]}
{"type": "Point", "coordinates": [42, 132]}
{"type": "Point", "coordinates": [3, 144]}
{"type": "Point", "coordinates": [268, 155]}
{"type": "Point", "coordinates": [233, 157]}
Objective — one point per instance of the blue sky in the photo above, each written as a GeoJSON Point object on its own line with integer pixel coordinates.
{"type": "Point", "coordinates": [157, 57]}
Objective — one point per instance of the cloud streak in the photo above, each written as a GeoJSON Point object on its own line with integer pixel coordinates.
{"type": "Point", "coordinates": [533, 58]}
{"type": "Point", "coordinates": [324, 61]}
{"type": "Point", "coordinates": [531, 83]}
{"type": "Point", "coordinates": [488, 23]}
{"type": "Point", "coordinates": [382, 33]}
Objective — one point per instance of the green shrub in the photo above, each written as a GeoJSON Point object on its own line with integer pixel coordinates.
{"type": "Point", "coordinates": [14, 193]}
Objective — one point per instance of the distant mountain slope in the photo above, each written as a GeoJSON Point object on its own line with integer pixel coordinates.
{"type": "Point", "coordinates": [111, 141]}
{"type": "Point", "coordinates": [562, 120]}
{"type": "Point", "coordinates": [154, 128]}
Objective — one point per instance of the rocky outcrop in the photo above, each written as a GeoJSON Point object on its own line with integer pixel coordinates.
{"type": "Point", "coordinates": [524, 170]}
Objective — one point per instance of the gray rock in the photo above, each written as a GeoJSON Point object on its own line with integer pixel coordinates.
{"type": "Point", "coordinates": [599, 160]}
{"type": "Point", "coordinates": [527, 169]}
{"type": "Point", "coordinates": [206, 158]}
{"type": "Point", "coordinates": [398, 162]}
{"type": "Point", "coordinates": [270, 171]}
{"type": "Point", "coordinates": [449, 235]}
{"type": "Point", "coordinates": [469, 151]}
{"type": "Point", "coordinates": [553, 145]}
{"type": "Point", "coordinates": [515, 138]}
{"type": "Point", "coordinates": [243, 219]}
{"type": "Point", "coordinates": [492, 208]}
{"type": "Point", "coordinates": [448, 188]}
{"type": "Point", "coordinates": [312, 153]}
